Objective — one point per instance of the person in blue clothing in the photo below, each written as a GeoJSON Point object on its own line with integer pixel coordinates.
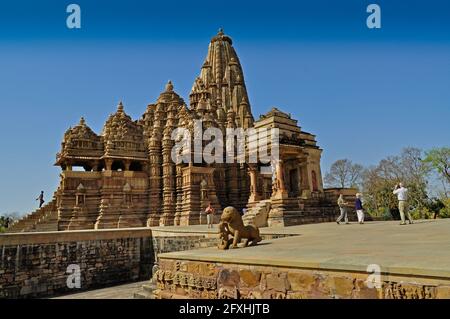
{"type": "Point", "coordinates": [359, 208]}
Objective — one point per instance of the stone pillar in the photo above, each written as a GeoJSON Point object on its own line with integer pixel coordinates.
{"type": "Point", "coordinates": [254, 194]}
{"type": "Point", "coordinates": [169, 196]}
{"type": "Point", "coordinates": [108, 164]}
{"type": "Point", "coordinates": [179, 192]}
{"type": "Point", "coordinates": [305, 184]}
{"type": "Point", "coordinates": [127, 164]}
{"type": "Point", "coordinates": [244, 185]}
{"type": "Point", "coordinates": [279, 189]}
{"type": "Point", "coordinates": [204, 200]}
{"type": "Point", "coordinates": [155, 179]}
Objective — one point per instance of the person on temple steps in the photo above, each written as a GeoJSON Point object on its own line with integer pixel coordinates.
{"type": "Point", "coordinates": [402, 196]}
{"type": "Point", "coordinates": [209, 211]}
{"type": "Point", "coordinates": [41, 199]}
{"type": "Point", "coordinates": [342, 207]}
{"type": "Point", "coordinates": [359, 208]}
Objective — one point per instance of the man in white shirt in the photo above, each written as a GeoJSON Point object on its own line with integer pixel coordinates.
{"type": "Point", "coordinates": [402, 196]}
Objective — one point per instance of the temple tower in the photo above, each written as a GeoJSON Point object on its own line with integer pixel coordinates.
{"type": "Point", "coordinates": [222, 81]}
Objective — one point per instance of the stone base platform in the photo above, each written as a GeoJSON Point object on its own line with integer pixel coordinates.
{"type": "Point", "coordinates": [320, 261]}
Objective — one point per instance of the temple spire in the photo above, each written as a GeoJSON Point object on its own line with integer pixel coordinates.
{"type": "Point", "coordinates": [222, 79]}
{"type": "Point", "coordinates": [120, 107]}
{"type": "Point", "coordinates": [169, 86]}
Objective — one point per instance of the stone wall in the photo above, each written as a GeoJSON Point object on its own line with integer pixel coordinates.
{"type": "Point", "coordinates": [36, 264]}
{"type": "Point", "coordinates": [196, 279]}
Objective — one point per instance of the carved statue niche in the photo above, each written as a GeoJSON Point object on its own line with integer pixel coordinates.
{"type": "Point", "coordinates": [204, 189]}
{"type": "Point", "coordinates": [80, 196]}
{"type": "Point", "coordinates": [232, 230]}
{"type": "Point", "coordinates": [128, 196]}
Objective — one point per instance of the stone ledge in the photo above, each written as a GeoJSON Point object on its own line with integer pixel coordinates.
{"type": "Point", "coordinates": [202, 229]}
{"type": "Point", "coordinates": [206, 280]}
{"type": "Point", "coordinates": [72, 236]}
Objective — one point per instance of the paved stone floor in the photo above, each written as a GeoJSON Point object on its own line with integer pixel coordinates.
{"type": "Point", "coordinates": [420, 249]}
{"type": "Point", "coordinates": [117, 292]}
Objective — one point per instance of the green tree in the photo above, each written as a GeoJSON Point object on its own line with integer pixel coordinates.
{"type": "Point", "coordinates": [7, 220]}
{"type": "Point", "coordinates": [445, 211]}
{"type": "Point", "coordinates": [439, 160]}
{"type": "Point", "coordinates": [379, 182]}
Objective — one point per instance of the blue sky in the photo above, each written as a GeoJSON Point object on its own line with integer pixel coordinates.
{"type": "Point", "coordinates": [365, 93]}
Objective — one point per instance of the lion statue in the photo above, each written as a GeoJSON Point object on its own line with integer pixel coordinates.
{"type": "Point", "coordinates": [232, 230]}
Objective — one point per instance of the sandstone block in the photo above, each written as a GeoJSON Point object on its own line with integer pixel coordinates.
{"type": "Point", "coordinates": [277, 282]}
{"type": "Point", "coordinates": [443, 292]}
{"type": "Point", "coordinates": [228, 278]}
{"type": "Point", "coordinates": [343, 287]}
{"type": "Point", "coordinates": [250, 278]}
{"type": "Point", "coordinates": [301, 281]}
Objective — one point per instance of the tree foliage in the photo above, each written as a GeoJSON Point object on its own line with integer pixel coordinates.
{"type": "Point", "coordinates": [6, 220]}
{"type": "Point", "coordinates": [377, 182]}
{"type": "Point", "coordinates": [439, 160]}
{"type": "Point", "coordinates": [408, 168]}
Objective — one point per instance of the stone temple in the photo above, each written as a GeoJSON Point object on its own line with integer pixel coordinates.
{"type": "Point", "coordinates": [130, 179]}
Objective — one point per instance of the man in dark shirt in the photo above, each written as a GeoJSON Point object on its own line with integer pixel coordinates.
{"type": "Point", "coordinates": [41, 199]}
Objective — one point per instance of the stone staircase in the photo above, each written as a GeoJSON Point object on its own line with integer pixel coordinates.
{"type": "Point", "coordinates": [146, 291]}
{"type": "Point", "coordinates": [257, 215]}
{"type": "Point", "coordinates": [301, 211]}
{"type": "Point", "coordinates": [42, 219]}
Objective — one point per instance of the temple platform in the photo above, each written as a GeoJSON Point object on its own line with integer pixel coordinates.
{"type": "Point", "coordinates": [318, 261]}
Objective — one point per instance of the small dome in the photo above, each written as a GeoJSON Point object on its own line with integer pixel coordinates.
{"type": "Point", "coordinates": [169, 95]}
{"type": "Point", "coordinates": [169, 86]}
{"type": "Point", "coordinates": [120, 128]}
{"type": "Point", "coordinates": [81, 137]}
{"type": "Point", "coordinates": [221, 37]}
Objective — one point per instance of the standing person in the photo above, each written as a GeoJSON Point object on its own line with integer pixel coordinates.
{"type": "Point", "coordinates": [209, 211]}
{"type": "Point", "coordinates": [359, 208]}
{"type": "Point", "coordinates": [342, 207]}
{"type": "Point", "coordinates": [402, 196]}
{"type": "Point", "coordinates": [41, 199]}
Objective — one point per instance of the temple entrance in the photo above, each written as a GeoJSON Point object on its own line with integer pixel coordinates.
{"type": "Point", "coordinates": [293, 183]}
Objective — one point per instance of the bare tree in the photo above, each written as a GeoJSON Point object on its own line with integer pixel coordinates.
{"type": "Point", "coordinates": [343, 173]}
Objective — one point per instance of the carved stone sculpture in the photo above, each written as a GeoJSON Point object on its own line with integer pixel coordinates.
{"type": "Point", "coordinates": [232, 230]}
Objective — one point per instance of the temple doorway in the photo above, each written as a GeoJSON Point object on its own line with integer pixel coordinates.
{"type": "Point", "coordinates": [293, 183]}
